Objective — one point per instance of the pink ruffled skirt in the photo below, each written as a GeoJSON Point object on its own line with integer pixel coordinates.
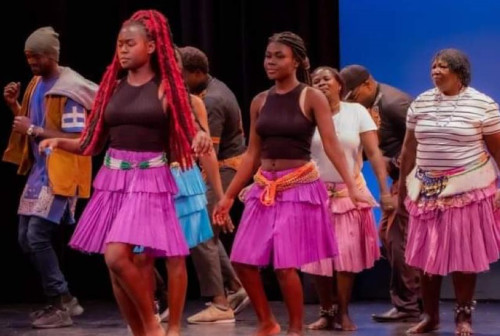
{"type": "Point", "coordinates": [356, 234]}
{"type": "Point", "coordinates": [134, 207]}
{"type": "Point", "coordinates": [460, 233]}
{"type": "Point", "coordinates": [294, 231]}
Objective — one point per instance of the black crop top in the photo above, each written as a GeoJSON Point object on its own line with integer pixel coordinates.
{"type": "Point", "coordinates": [285, 131]}
{"type": "Point", "coordinates": [135, 118]}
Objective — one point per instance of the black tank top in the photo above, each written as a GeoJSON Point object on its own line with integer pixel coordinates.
{"type": "Point", "coordinates": [135, 118]}
{"type": "Point", "coordinates": [285, 131]}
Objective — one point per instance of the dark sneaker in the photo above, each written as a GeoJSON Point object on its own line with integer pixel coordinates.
{"type": "Point", "coordinates": [394, 315]}
{"type": "Point", "coordinates": [53, 317]}
{"type": "Point", "coordinates": [37, 313]}
{"type": "Point", "coordinates": [73, 307]}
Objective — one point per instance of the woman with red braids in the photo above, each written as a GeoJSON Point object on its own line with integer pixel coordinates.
{"type": "Point", "coordinates": [142, 107]}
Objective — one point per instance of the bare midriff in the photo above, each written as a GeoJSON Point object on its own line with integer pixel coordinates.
{"type": "Point", "coordinates": [281, 164]}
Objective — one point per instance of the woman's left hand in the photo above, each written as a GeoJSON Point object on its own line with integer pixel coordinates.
{"type": "Point", "coordinates": [202, 143]}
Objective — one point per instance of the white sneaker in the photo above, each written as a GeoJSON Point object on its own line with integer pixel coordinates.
{"type": "Point", "coordinates": [213, 314]}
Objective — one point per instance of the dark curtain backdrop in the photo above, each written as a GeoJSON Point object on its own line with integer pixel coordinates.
{"type": "Point", "coordinates": [233, 33]}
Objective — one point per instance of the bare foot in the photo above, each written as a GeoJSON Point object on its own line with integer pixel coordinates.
{"type": "Point", "coordinates": [268, 329]}
{"type": "Point", "coordinates": [427, 324]}
{"type": "Point", "coordinates": [345, 323]}
{"type": "Point", "coordinates": [158, 331]}
{"type": "Point", "coordinates": [464, 328]}
{"type": "Point", "coordinates": [173, 330]}
{"type": "Point", "coordinates": [323, 323]}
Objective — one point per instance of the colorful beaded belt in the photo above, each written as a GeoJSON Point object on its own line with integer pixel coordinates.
{"type": "Point", "coordinates": [113, 163]}
{"type": "Point", "coordinates": [435, 181]}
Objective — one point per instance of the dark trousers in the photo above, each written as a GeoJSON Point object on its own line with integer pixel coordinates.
{"type": "Point", "coordinates": [35, 239]}
{"type": "Point", "coordinates": [210, 258]}
{"type": "Point", "coordinates": [405, 280]}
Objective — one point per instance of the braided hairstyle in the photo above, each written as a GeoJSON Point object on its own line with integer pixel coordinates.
{"type": "Point", "coordinates": [181, 126]}
{"type": "Point", "coordinates": [296, 43]}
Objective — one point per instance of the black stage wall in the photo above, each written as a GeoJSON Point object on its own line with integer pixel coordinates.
{"type": "Point", "coordinates": [233, 34]}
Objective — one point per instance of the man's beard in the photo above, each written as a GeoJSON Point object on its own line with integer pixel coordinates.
{"type": "Point", "coordinates": [196, 90]}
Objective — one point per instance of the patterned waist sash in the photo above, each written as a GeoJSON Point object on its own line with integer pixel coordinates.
{"type": "Point", "coordinates": [435, 181]}
{"type": "Point", "coordinates": [306, 174]}
{"type": "Point", "coordinates": [118, 164]}
{"type": "Point", "coordinates": [339, 189]}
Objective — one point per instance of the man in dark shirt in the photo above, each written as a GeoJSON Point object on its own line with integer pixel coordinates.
{"type": "Point", "coordinates": [388, 107]}
{"type": "Point", "coordinates": [224, 119]}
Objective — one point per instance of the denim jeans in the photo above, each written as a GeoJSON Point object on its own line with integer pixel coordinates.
{"type": "Point", "coordinates": [35, 239]}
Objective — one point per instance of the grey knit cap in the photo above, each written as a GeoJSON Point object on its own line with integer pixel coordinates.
{"type": "Point", "coordinates": [44, 41]}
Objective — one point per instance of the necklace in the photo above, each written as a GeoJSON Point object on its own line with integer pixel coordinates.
{"type": "Point", "coordinates": [439, 100]}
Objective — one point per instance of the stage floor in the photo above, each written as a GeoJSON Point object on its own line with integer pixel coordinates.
{"type": "Point", "coordinates": [102, 319]}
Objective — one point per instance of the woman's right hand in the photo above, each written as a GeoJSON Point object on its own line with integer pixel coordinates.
{"type": "Point", "coordinates": [48, 145]}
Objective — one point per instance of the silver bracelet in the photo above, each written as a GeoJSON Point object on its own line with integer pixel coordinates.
{"type": "Point", "coordinates": [30, 130]}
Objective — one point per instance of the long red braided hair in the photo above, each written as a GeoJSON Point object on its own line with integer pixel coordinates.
{"type": "Point", "coordinates": [181, 126]}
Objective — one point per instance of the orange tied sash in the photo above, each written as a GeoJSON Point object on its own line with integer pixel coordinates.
{"type": "Point", "coordinates": [306, 174]}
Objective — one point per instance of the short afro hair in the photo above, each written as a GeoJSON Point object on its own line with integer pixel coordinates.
{"type": "Point", "coordinates": [194, 59]}
{"type": "Point", "coordinates": [458, 63]}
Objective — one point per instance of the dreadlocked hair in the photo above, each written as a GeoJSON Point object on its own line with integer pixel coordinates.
{"type": "Point", "coordinates": [296, 43]}
{"type": "Point", "coordinates": [181, 126]}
